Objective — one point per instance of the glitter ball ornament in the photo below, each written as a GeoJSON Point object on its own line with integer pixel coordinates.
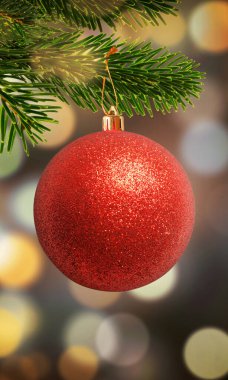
{"type": "Point", "coordinates": [114, 210]}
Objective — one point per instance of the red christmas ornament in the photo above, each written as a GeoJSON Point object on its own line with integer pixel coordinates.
{"type": "Point", "coordinates": [114, 211]}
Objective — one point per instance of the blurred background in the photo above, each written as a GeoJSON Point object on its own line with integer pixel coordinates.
{"type": "Point", "coordinates": [173, 329]}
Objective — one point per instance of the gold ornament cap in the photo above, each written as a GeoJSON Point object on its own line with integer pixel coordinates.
{"type": "Point", "coordinates": [113, 121]}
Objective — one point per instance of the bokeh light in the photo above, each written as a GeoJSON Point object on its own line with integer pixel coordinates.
{"type": "Point", "coordinates": [11, 162]}
{"type": "Point", "coordinates": [213, 93]}
{"type": "Point", "coordinates": [10, 333]}
{"type": "Point", "coordinates": [81, 329]}
{"type": "Point", "coordinates": [20, 203]}
{"type": "Point", "coordinates": [78, 362]}
{"type": "Point", "coordinates": [208, 26]}
{"type": "Point", "coordinates": [24, 309]}
{"type": "Point", "coordinates": [59, 133]}
{"type": "Point", "coordinates": [35, 366]}
{"type": "Point", "coordinates": [77, 328]}
{"type": "Point", "coordinates": [206, 353]}
{"type": "Point", "coordinates": [2, 230]}
{"type": "Point", "coordinates": [21, 262]}
{"type": "Point", "coordinates": [204, 147]}
{"type": "Point", "coordinates": [122, 339]}
{"type": "Point", "coordinates": [157, 289]}
{"type": "Point", "coordinates": [170, 33]}
{"type": "Point", "coordinates": [217, 209]}
{"type": "Point", "coordinates": [92, 298]}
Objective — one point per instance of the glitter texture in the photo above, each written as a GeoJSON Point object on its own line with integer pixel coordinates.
{"type": "Point", "coordinates": [114, 211]}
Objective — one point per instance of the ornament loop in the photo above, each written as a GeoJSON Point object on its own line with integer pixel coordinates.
{"type": "Point", "coordinates": [113, 50]}
{"type": "Point", "coordinates": [112, 121]}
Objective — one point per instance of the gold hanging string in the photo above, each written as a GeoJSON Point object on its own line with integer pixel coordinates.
{"type": "Point", "coordinates": [113, 50]}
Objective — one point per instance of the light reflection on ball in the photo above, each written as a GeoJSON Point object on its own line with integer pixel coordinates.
{"type": "Point", "coordinates": [206, 353]}
{"type": "Point", "coordinates": [209, 27]}
{"type": "Point", "coordinates": [122, 339]}
{"type": "Point", "coordinates": [157, 289]}
{"type": "Point", "coordinates": [204, 147]}
{"type": "Point", "coordinates": [78, 362]}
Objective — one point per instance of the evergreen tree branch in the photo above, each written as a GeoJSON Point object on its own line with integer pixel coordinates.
{"type": "Point", "coordinates": [18, 12]}
{"type": "Point", "coordinates": [90, 13]}
{"type": "Point", "coordinates": [68, 65]}
{"type": "Point", "coordinates": [23, 111]}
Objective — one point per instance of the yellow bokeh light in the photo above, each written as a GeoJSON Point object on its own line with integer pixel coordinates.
{"type": "Point", "coordinates": [59, 133]}
{"type": "Point", "coordinates": [93, 298]}
{"type": "Point", "coordinates": [10, 333]}
{"type": "Point", "coordinates": [21, 263]}
{"type": "Point", "coordinates": [209, 26]}
{"type": "Point", "coordinates": [78, 362]}
{"type": "Point", "coordinates": [157, 289]}
{"type": "Point", "coordinates": [25, 311]}
{"type": "Point", "coordinates": [170, 33]}
{"type": "Point", "coordinates": [206, 353]}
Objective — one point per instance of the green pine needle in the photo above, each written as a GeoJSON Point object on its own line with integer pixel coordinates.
{"type": "Point", "coordinates": [41, 59]}
{"type": "Point", "coordinates": [90, 13]}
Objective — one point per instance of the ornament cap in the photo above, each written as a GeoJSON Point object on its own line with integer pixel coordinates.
{"type": "Point", "coordinates": [113, 121]}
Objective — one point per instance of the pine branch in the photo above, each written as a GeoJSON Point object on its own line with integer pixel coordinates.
{"type": "Point", "coordinates": [22, 111]}
{"type": "Point", "coordinates": [90, 13]}
{"type": "Point", "coordinates": [68, 65]}
{"type": "Point", "coordinates": [18, 12]}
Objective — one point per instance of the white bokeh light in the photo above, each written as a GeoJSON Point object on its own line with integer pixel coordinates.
{"type": "Point", "coordinates": [20, 203]}
{"type": "Point", "coordinates": [206, 353]}
{"type": "Point", "coordinates": [2, 230]}
{"type": "Point", "coordinates": [11, 162]}
{"type": "Point", "coordinates": [204, 147]}
{"type": "Point", "coordinates": [122, 339]}
{"type": "Point", "coordinates": [157, 289]}
{"type": "Point", "coordinates": [81, 329]}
